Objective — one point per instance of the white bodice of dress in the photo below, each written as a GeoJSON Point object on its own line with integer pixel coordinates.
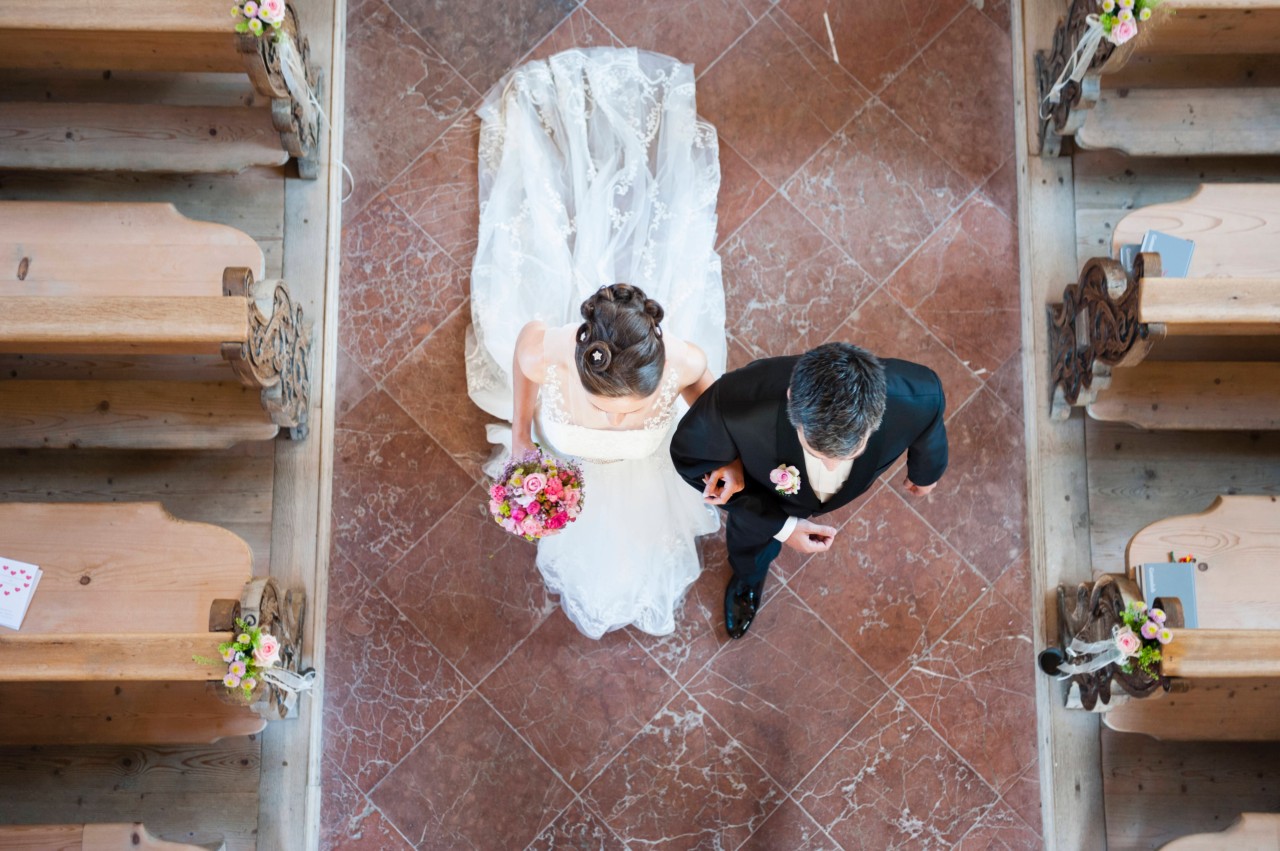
{"type": "Point", "coordinates": [559, 428]}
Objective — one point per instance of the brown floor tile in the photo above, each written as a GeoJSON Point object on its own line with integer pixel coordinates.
{"type": "Point", "coordinates": [792, 829]}
{"type": "Point", "coordinates": [397, 286]}
{"type": "Point", "coordinates": [471, 784]}
{"type": "Point", "coordinates": [578, 829]}
{"type": "Point", "coordinates": [387, 687]}
{"type": "Point", "coordinates": [348, 822]}
{"type": "Point", "coordinates": [700, 631]}
{"type": "Point", "coordinates": [431, 384]}
{"type": "Point", "coordinates": [1001, 830]}
{"type": "Point", "coordinates": [645, 793]}
{"type": "Point", "coordinates": [787, 287]}
{"type": "Point", "coordinates": [578, 700]}
{"type": "Point", "coordinates": [881, 326]}
{"type": "Point", "coordinates": [877, 190]}
{"type": "Point", "coordinates": [694, 31]}
{"type": "Point", "coordinates": [975, 688]}
{"type": "Point", "coordinates": [963, 285]}
{"type": "Point", "coordinates": [742, 192]}
{"type": "Point", "coordinates": [788, 691]}
{"type": "Point", "coordinates": [400, 95]}
{"type": "Point", "coordinates": [997, 11]}
{"type": "Point", "coordinates": [889, 586]}
{"type": "Point", "coordinates": [789, 561]}
{"type": "Point", "coordinates": [958, 95]}
{"type": "Point", "coordinates": [1006, 382]}
{"type": "Point", "coordinates": [979, 505]}
{"type": "Point", "coordinates": [1002, 188]}
{"type": "Point", "coordinates": [353, 383]}
{"type": "Point", "coordinates": [440, 193]}
{"type": "Point", "coordinates": [470, 587]}
{"type": "Point", "coordinates": [392, 482]}
{"type": "Point", "coordinates": [1015, 583]}
{"type": "Point", "coordinates": [892, 783]}
{"type": "Point", "coordinates": [482, 40]}
{"type": "Point", "coordinates": [875, 38]}
{"type": "Point", "coordinates": [1022, 794]}
{"type": "Point", "coordinates": [777, 98]}
{"type": "Point", "coordinates": [581, 29]}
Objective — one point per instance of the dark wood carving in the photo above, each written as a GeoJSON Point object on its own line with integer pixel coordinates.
{"type": "Point", "coordinates": [1049, 66]}
{"type": "Point", "coordinates": [299, 134]}
{"type": "Point", "coordinates": [277, 355]}
{"type": "Point", "coordinates": [1096, 328]}
{"type": "Point", "coordinates": [1089, 613]}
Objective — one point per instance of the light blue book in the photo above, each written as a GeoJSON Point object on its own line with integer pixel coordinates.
{"type": "Point", "coordinates": [1175, 253]}
{"type": "Point", "coordinates": [1172, 579]}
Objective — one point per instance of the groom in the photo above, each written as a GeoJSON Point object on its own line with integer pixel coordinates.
{"type": "Point", "coordinates": [838, 417]}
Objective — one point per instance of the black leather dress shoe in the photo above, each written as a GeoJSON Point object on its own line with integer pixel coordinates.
{"type": "Point", "coordinates": [740, 603]}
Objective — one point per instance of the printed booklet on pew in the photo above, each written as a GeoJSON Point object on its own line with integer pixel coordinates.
{"type": "Point", "coordinates": [18, 581]}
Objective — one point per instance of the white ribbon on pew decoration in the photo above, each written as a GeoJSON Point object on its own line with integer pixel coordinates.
{"type": "Point", "coordinates": [295, 80]}
{"type": "Point", "coordinates": [1107, 653]}
{"type": "Point", "coordinates": [289, 682]}
{"type": "Point", "coordinates": [1079, 62]}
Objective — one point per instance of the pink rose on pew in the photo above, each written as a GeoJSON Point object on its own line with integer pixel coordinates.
{"type": "Point", "coordinates": [268, 650]}
{"type": "Point", "coordinates": [1124, 29]}
{"type": "Point", "coordinates": [1128, 643]}
{"type": "Point", "coordinates": [271, 11]}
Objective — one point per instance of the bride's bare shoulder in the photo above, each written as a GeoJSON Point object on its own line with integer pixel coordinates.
{"type": "Point", "coordinates": [540, 346]}
{"type": "Point", "coordinates": [687, 359]}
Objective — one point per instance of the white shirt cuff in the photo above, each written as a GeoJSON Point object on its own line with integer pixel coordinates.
{"type": "Point", "coordinates": [787, 529]}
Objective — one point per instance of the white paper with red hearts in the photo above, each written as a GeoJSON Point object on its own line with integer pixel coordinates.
{"type": "Point", "coordinates": [18, 581]}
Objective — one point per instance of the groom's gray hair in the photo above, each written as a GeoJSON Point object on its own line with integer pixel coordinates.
{"type": "Point", "coordinates": [837, 397]}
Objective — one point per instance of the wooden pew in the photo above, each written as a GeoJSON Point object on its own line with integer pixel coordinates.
{"type": "Point", "coordinates": [1238, 537]}
{"type": "Point", "coordinates": [194, 134]}
{"type": "Point", "coordinates": [89, 837]}
{"type": "Point", "coordinates": [1201, 78]}
{"type": "Point", "coordinates": [120, 320]}
{"type": "Point", "coordinates": [1252, 832]}
{"type": "Point", "coordinates": [129, 595]}
{"type": "Point", "coordinates": [1197, 353]}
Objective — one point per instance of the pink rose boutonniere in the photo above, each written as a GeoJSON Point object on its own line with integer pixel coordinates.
{"type": "Point", "coordinates": [786, 480]}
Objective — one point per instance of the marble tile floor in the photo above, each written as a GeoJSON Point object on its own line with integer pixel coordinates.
{"type": "Point", "coordinates": [884, 698]}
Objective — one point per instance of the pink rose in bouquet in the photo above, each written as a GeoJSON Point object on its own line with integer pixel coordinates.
{"type": "Point", "coordinates": [536, 496]}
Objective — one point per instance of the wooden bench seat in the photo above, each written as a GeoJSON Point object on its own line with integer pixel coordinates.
{"type": "Point", "coordinates": [185, 36]}
{"type": "Point", "coordinates": [77, 287]}
{"type": "Point", "coordinates": [129, 596]}
{"type": "Point", "coordinates": [1169, 92]}
{"type": "Point", "coordinates": [1201, 352]}
{"type": "Point", "coordinates": [89, 837]}
{"type": "Point", "coordinates": [1252, 832]}
{"type": "Point", "coordinates": [1238, 537]}
{"type": "Point", "coordinates": [137, 137]}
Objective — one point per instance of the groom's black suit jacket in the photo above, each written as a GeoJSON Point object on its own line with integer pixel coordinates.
{"type": "Point", "coordinates": [744, 415]}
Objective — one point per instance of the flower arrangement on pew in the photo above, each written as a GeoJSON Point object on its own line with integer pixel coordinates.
{"type": "Point", "coordinates": [1140, 640]}
{"type": "Point", "coordinates": [536, 496]}
{"type": "Point", "coordinates": [259, 16]}
{"type": "Point", "coordinates": [247, 657]}
{"type": "Point", "coordinates": [1119, 18]}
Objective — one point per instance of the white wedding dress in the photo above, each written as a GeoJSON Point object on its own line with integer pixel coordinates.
{"type": "Point", "coordinates": [594, 170]}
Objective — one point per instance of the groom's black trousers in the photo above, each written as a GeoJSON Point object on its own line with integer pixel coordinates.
{"type": "Point", "coordinates": [751, 551]}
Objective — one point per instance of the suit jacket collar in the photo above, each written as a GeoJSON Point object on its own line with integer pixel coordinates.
{"type": "Point", "coordinates": [791, 452]}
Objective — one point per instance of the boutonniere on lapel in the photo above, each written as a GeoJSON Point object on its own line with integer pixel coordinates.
{"type": "Point", "coordinates": [786, 480]}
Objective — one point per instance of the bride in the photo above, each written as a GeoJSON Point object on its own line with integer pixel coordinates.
{"type": "Point", "coordinates": [595, 170]}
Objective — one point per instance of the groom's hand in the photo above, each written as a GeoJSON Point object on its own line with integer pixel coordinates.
{"type": "Point", "coordinates": [810, 537]}
{"type": "Point", "coordinates": [723, 482]}
{"type": "Point", "coordinates": [917, 490]}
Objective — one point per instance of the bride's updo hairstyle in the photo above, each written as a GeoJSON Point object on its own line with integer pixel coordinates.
{"type": "Point", "coordinates": [619, 347]}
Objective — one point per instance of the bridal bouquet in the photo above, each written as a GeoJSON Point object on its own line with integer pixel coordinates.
{"type": "Point", "coordinates": [258, 16]}
{"type": "Point", "coordinates": [536, 496]}
{"type": "Point", "coordinates": [247, 657]}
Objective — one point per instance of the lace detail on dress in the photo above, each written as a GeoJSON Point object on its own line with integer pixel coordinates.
{"type": "Point", "coordinates": [553, 409]}
{"type": "Point", "coordinates": [664, 409]}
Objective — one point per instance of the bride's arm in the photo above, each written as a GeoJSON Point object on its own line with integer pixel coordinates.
{"type": "Point", "coordinates": [526, 375]}
{"type": "Point", "coordinates": [695, 378]}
